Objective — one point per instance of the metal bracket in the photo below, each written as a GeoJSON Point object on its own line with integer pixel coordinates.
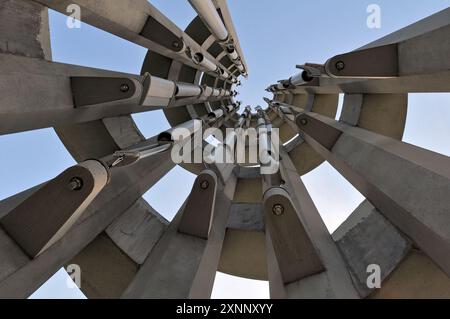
{"type": "Point", "coordinates": [379, 62]}
{"type": "Point", "coordinates": [158, 33]}
{"type": "Point", "coordinates": [199, 210]}
{"type": "Point", "coordinates": [96, 90]}
{"type": "Point", "coordinates": [295, 253]}
{"type": "Point", "coordinates": [324, 134]}
{"type": "Point", "coordinates": [43, 218]}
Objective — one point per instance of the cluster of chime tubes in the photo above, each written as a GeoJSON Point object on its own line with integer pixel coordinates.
{"type": "Point", "coordinates": [162, 91]}
{"type": "Point", "coordinates": [309, 73]}
{"type": "Point", "coordinates": [159, 89]}
{"type": "Point", "coordinates": [211, 18]}
{"type": "Point", "coordinates": [165, 141]}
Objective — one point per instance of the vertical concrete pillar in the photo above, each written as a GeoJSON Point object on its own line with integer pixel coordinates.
{"type": "Point", "coordinates": [409, 185]}
{"type": "Point", "coordinates": [303, 260]}
{"type": "Point", "coordinates": [183, 264]}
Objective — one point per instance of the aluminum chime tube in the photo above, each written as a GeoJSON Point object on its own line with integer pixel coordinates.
{"type": "Point", "coordinates": [207, 91]}
{"type": "Point", "coordinates": [233, 80]}
{"type": "Point", "coordinates": [224, 74]}
{"type": "Point", "coordinates": [264, 129]}
{"type": "Point", "coordinates": [208, 13]}
{"type": "Point", "coordinates": [242, 118]}
{"type": "Point", "coordinates": [286, 113]}
{"type": "Point", "coordinates": [298, 79]}
{"type": "Point", "coordinates": [164, 142]}
{"type": "Point", "coordinates": [283, 110]}
{"type": "Point", "coordinates": [306, 76]}
{"type": "Point", "coordinates": [216, 92]}
{"type": "Point", "coordinates": [201, 60]}
{"type": "Point", "coordinates": [293, 108]}
{"type": "Point", "coordinates": [159, 91]}
{"type": "Point", "coordinates": [187, 90]}
{"type": "Point", "coordinates": [215, 115]}
{"type": "Point", "coordinates": [276, 87]}
{"type": "Point", "coordinates": [241, 121]}
{"type": "Point", "coordinates": [234, 57]}
{"type": "Point", "coordinates": [229, 108]}
{"type": "Point", "coordinates": [241, 68]}
{"type": "Point", "coordinates": [248, 115]}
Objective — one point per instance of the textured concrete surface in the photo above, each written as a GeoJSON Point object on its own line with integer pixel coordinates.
{"type": "Point", "coordinates": [106, 270]}
{"type": "Point", "coordinates": [384, 114]}
{"type": "Point", "coordinates": [351, 108]}
{"type": "Point", "coordinates": [244, 254]}
{"type": "Point", "coordinates": [416, 277]}
{"type": "Point", "coordinates": [246, 216]}
{"type": "Point", "coordinates": [137, 230]}
{"type": "Point", "coordinates": [366, 238]}
{"type": "Point", "coordinates": [11, 256]}
{"type": "Point", "coordinates": [24, 29]}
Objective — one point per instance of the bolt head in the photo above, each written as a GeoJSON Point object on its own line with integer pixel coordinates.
{"type": "Point", "coordinates": [124, 88]}
{"type": "Point", "coordinates": [204, 184]}
{"type": "Point", "coordinates": [340, 65]}
{"type": "Point", "coordinates": [176, 44]}
{"type": "Point", "coordinates": [75, 184]}
{"type": "Point", "coordinates": [278, 209]}
{"type": "Point", "coordinates": [303, 121]}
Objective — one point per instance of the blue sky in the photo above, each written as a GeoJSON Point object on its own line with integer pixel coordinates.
{"type": "Point", "coordinates": [274, 39]}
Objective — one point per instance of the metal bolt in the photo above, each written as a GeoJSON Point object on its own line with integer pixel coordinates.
{"type": "Point", "coordinates": [124, 88]}
{"type": "Point", "coordinates": [176, 44]}
{"type": "Point", "coordinates": [303, 121]}
{"type": "Point", "coordinates": [75, 184]}
{"type": "Point", "coordinates": [204, 184]}
{"type": "Point", "coordinates": [278, 209]}
{"type": "Point", "coordinates": [340, 65]}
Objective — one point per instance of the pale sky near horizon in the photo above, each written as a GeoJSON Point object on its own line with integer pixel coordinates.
{"type": "Point", "coordinates": [274, 39]}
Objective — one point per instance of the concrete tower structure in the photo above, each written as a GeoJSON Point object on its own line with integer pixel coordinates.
{"type": "Point", "coordinates": [236, 219]}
